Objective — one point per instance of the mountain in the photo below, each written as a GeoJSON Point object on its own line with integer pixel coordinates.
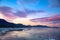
{"type": "Point", "coordinates": [5, 24]}
{"type": "Point", "coordinates": [53, 21]}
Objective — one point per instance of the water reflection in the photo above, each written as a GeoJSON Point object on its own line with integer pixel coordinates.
{"type": "Point", "coordinates": [33, 34]}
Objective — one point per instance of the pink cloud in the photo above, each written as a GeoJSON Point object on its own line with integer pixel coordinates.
{"type": "Point", "coordinates": [7, 11]}
{"type": "Point", "coordinates": [53, 20]}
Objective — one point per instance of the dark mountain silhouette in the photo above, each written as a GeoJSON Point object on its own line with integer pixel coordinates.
{"type": "Point", "coordinates": [5, 24]}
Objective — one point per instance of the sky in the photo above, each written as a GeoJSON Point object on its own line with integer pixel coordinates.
{"type": "Point", "coordinates": [31, 12]}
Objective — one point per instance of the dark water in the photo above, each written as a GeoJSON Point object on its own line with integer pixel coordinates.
{"type": "Point", "coordinates": [31, 34]}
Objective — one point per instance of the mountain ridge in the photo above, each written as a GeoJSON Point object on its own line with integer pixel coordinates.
{"type": "Point", "coordinates": [5, 24]}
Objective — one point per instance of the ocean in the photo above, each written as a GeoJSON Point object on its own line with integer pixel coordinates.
{"type": "Point", "coordinates": [34, 33]}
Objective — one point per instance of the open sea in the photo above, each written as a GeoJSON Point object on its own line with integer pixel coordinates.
{"type": "Point", "coordinates": [34, 33]}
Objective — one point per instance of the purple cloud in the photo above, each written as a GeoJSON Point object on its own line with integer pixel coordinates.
{"type": "Point", "coordinates": [7, 11]}
{"type": "Point", "coordinates": [21, 14]}
{"type": "Point", "coordinates": [54, 20]}
{"type": "Point", "coordinates": [54, 3]}
{"type": "Point", "coordinates": [26, 12]}
{"type": "Point", "coordinates": [34, 11]}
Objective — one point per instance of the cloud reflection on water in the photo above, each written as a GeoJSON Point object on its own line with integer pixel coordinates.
{"type": "Point", "coordinates": [33, 34]}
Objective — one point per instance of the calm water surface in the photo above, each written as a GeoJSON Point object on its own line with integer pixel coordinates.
{"type": "Point", "coordinates": [31, 34]}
